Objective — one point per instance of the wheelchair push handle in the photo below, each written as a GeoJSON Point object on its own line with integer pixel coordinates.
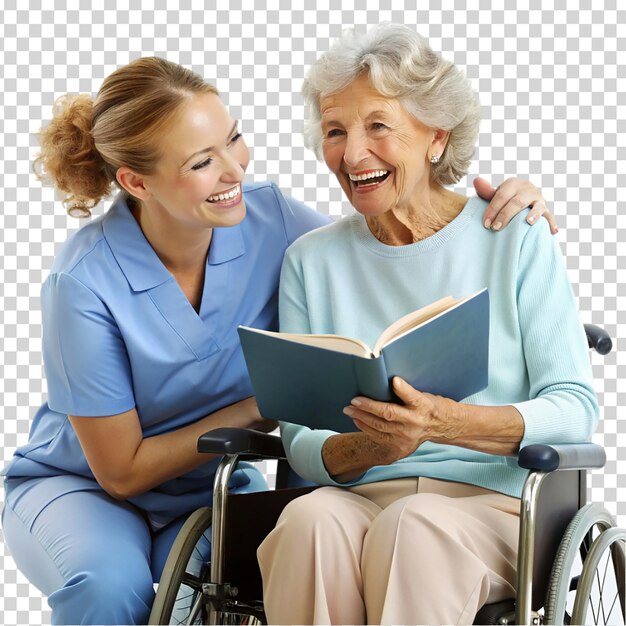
{"type": "Point", "coordinates": [598, 339]}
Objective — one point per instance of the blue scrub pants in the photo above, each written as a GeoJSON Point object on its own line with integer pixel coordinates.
{"type": "Point", "coordinates": [95, 557]}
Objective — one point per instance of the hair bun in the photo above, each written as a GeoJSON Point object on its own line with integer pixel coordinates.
{"type": "Point", "coordinates": [69, 158]}
{"type": "Point", "coordinates": [88, 141]}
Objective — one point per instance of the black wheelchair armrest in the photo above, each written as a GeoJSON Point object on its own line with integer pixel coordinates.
{"type": "Point", "coordinates": [598, 339]}
{"type": "Point", "coordinates": [242, 441]}
{"type": "Point", "coordinates": [548, 458]}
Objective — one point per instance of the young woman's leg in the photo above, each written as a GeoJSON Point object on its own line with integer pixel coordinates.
{"type": "Point", "coordinates": [89, 553]}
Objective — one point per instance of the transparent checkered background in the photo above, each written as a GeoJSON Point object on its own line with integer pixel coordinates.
{"type": "Point", "coordinates": [551, 76]}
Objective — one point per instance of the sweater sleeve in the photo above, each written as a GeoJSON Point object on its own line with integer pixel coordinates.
{"type": "Point", "coordinates": [562, 406]}
{"type": "Point", "coordinates": [302, 445]}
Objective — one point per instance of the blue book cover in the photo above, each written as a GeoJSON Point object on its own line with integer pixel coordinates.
{"type": "Point", "coordinates": [309, 379]}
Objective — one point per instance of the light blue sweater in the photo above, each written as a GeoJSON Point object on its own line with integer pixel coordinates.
{"type": "Point", "coordinates": [341, 279]}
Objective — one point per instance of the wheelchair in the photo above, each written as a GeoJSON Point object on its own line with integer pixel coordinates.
{"type": "Point", "coordinates": [570, 567]}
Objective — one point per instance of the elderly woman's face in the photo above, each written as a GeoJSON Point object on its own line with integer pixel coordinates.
{"type": "Point", "coordinates": [377, 150]}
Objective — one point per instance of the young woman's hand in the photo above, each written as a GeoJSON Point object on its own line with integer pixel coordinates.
{"type": "Point", "coordinates": [511, 197]}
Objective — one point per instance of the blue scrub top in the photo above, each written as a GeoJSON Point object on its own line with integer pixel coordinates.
{"type": "Point", "coordinates": [118, 333]}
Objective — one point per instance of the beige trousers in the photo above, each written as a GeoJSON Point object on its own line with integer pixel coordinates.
{"type": "Point", "coordinates": [405, 551]}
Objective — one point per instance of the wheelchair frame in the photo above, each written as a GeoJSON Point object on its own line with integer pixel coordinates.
{"type": "Point", "coordinates": [550, 466]}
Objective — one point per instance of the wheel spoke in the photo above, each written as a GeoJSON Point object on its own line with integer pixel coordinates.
{"type": "Point", "coordinates": [191, 580]}
{"type": "Point", "coordinates": [601, 587]}
{"type": "Point", "coordinates": [595, 617]}
{"type": "Point", "coordinates": [179, 598]}
{"type": "Point", "coordinates": [606, 621]}
{"type": "Point", "coordinates": [185, 597]}
{"type": "Point", "coordinates": [606, 615]}
{"type": "Point", "coordinates": [195, 609]}
{"type": "Point", "coordinates": [588, 521]}
{"type": "Point", "coordinates": [594, 583]}
{"type": "Point", "coordinates": [600, 605]}
{"type": "Point", "coordinates": [179, 621]}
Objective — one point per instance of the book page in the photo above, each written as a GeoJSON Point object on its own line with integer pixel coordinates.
{"type": "Point", "coordinates": [412, 320]}
{"type": "Point", "coordinates": [338, 343]}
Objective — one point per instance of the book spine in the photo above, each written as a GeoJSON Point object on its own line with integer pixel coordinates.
{"type": "Point", "coordinates": [372, 378]}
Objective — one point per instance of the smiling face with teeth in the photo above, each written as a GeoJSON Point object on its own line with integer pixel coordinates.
{"type": "Point", "coordinates": [378, 151]}
{"type": "Point", "coordinates": [197, 183]}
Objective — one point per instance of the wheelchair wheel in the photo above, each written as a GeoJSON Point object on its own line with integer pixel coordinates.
{"type": "Point", "coordinates": [179, 598]}
{"type": "Point", "coordinates": [591, 520]}
{"type": "Point", "coordinates": [600, 593]}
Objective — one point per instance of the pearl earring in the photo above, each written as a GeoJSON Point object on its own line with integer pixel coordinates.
{"type": "Point", "coordinates": [434, 159]}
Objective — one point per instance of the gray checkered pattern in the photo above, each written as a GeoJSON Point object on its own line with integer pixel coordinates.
{"type": "Point", "coordinates": [552, 82]}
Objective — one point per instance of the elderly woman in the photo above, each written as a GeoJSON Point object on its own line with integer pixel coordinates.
{"type": "Point", "coordinates": [419, 520]}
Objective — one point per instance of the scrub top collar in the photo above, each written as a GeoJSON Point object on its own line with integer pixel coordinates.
{"type": "Point", "coordinates": [138, 260]}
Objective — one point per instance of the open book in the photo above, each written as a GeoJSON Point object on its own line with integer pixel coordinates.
{"type": "Point", "coordinates": [441, 348]}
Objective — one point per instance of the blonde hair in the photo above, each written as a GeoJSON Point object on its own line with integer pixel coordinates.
{"type": "Point", "coordinates": [400, 64]}
{"type": "Point", "coordinates": [88, 140]}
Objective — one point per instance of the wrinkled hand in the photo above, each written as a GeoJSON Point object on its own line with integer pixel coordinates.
{"type": "Point", "coordinates": [400, 428]}
{"type": "Point", "coordinates": [512, 196]}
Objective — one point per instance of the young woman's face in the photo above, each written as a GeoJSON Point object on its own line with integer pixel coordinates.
{"type": "Point", "coordinates": [198, 178]}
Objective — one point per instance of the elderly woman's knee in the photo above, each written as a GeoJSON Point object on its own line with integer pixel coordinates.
{"type": "Point", "coordinates": [421, 512]}
{"type": "Point", "coordinates": [325, 508]}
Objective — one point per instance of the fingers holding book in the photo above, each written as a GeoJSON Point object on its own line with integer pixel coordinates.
{"type": "Point", "coordinates": [401, 427]}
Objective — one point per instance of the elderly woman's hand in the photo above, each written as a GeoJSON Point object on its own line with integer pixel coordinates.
{"type": "Point", "coordinates": [509, 199]}
{"type": "Point", "coordinates": [400, 428]}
